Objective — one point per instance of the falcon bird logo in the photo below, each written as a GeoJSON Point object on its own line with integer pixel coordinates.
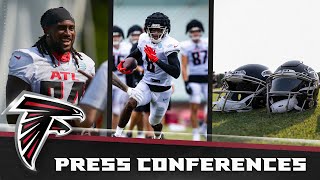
{"type": "Point", "coordinates": [39, 117]}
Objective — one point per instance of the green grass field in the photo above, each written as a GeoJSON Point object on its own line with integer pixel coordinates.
{"type": "Point", "coordinates": [184, 135]}
{"type": "Point", "coordinates": [296, 125]}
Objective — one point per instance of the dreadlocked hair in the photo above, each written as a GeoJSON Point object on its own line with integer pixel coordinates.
{"type": "Point", "coordinates": [44, 49]}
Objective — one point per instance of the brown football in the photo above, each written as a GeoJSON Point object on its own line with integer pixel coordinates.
{"type": "Point", "coordinates": [130, 63]}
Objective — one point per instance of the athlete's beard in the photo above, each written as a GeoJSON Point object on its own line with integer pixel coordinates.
{"type": "Point", "coordinates": [56, 46]}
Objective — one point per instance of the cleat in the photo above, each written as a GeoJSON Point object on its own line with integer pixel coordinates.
{"type": "Point", "coordinates": [129, 135]}
{"type": "Point", "coordinates": [158, 137]}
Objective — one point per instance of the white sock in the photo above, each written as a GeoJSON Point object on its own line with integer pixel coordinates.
{"type": "Point", "coordinates": [195, 131]}
{"type": "Point", "coordinates": [119, 131]}
{"type": "Point", "coordinates": [204, 126]}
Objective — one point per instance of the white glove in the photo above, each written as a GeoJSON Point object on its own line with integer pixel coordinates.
{"type": "Point", "coordinates": [135, 94]}
{"type": "Point", "coordinates": [129, 91]}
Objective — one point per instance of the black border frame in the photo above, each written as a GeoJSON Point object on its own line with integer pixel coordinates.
{"type": "Point", "coordinates": [210, 68]}
{"type": "Point", "coordinates": [109, 103]}
{"type": "Point", "coordinates": [210, 71]}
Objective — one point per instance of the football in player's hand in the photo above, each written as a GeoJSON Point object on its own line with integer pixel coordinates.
{"type": "Point", "coordinates": [130, 63]}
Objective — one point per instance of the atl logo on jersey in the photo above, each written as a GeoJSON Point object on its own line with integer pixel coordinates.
{"type": "Point", "coordinates": [61, 75]}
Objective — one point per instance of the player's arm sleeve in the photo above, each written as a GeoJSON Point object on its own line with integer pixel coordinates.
{"type": "Point", "coordinates": [129, 80]}
{"type": "Point", "coordinates": [89, 63]}
{"type": "Point", "coordinates": [93, 70]}
{"type": "Point", "coordinates": [183, 49]}
{"type": "Point", "coordinates": [21, 72]}
{"type": "Point", "coordinates": [173, 47]}
{"type": "Point", "coordinates": [21, 66]}
{"type": "Point", "coordinates": [173, 68]}
{"type": "Point", "coordinates": [135, 54]}
{"type": "Point", "coordinates": [96, 94]}
{"type": "Point", "coordinates": [19, 78]}
{"type": "Point", "coordinates": [134, 47]}
{"type": "Point", "coordinates": [184, 59]}
{"type": "Point", "coordinates": [14, 87]}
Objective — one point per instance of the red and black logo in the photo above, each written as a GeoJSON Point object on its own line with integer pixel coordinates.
{"type": "Point", "coordinates": [39, 117]}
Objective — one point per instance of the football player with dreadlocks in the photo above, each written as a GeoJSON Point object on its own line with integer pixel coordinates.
{"type": "Point", "coordinates": [51, 66]}
{"type": "Point", "coordinates": [195, 72]}
{"type": "Point", "coordinates": [159, 53]}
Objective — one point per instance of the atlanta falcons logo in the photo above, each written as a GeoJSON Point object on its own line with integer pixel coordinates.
{"type": "Point", "coordinates": [39, 117]}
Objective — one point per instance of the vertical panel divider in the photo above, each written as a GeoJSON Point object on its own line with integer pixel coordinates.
{"type": "Point", "coordinates": [210, 71]}
{"type": "Point", "coordinates": [110, 65]}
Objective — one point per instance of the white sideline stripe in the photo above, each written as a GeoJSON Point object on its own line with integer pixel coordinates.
{"type": "Point", "coordinates": [7, 128]}
{"type": "Point", "coordinates": [133, 131]}
{"type": "Point", "coordinates": [233, 138]}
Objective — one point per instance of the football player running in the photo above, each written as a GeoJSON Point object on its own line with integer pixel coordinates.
{"type": "Point", "coordinates": [195, 72]}
{"type": "Point", "coordinates": [140, 114]}
{"type": "Point", "coordinates": [159, 53]}
{"type": "Point", "coordinates": [51, 66]}
{"type": "Point", "coordinates": [120, 50]}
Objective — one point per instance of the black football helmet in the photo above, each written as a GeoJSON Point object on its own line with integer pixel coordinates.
{"type": "Point", "coordinates": [133, 31]}
{"type": "Point", "coordinates": [117, 31]}
{"type": "Point", "coordinates": [195, 29]}
{"type": "Point", "coordinates": [293, 85]}
{"type": "Point", "coordinates": [157, 25]}
{"type": "Point", "coordinates": [194, 25]}
{"type": "Point", "coordinates": [243, 89]}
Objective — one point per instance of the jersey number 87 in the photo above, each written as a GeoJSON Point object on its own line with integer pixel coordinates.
{"type": "Point", "coordinates": [196, 57]}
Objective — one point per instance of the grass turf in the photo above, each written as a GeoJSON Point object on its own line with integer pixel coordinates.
{"type": "Point", "coordinates": [184, 135]}
{"type": "Point", "coordinates": [296, 125]}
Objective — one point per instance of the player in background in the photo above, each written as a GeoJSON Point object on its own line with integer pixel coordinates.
{"type": "Point", "coordinates": [133, 34]}
{"type": "Point", "coordinates": [141, 113]}
{"type": "Point", "coordinates": [120, 51]}
{"type": "Point", "coordinates": [159, 53]}
{"type": "Point", "coordinates": [51, 66]}
{"type": "Point", "coordinates": [195, 72]}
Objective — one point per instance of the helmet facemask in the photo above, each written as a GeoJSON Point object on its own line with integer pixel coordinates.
{"type": "Point", "coordinates": [239, 93]}
{"type": "Point", "coordinates": [195, 34]}
{"type": "Point", "coordinates": [156, 32]}
{"type": "Point", "coordinates": [288, 90]}
{"type": "Point", "coordinates": [134, 36]}
{"type": "Point", "coordinates": [117, 38]}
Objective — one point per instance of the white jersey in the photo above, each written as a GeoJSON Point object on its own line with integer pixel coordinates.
{"type": "Point", "coordinates": [197, 54]}
{"type": "Point", "coordinates": [153, 74]}
{"type": "Point", "coordinates": [118, 55]}
{"type": "Point", "coordinates": [63, 82]}
{"type": "Point", "coordinates": [96, 94]}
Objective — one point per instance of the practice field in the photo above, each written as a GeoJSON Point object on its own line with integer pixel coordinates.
{"type": "Point", "coordinates": [170, 135]}
{"type": "Point", "coordinates": [258, 123]}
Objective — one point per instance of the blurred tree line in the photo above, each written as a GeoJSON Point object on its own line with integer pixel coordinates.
{"type": "Point", "coordinates": [217, 80]}
{"type": "Point", "coordinates": [100, 16]}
